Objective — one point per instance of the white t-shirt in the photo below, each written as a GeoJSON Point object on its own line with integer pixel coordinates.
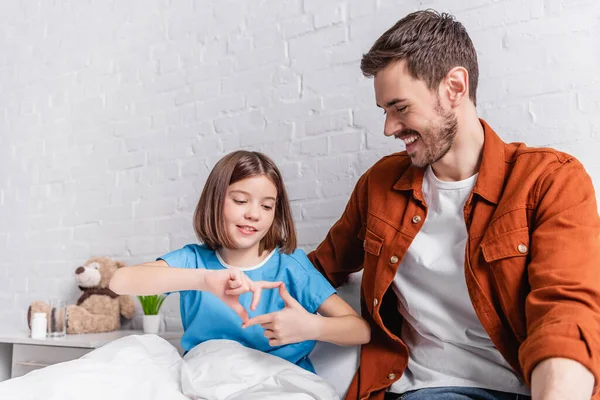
{"type": "Point", "coordinates": [447, 344]}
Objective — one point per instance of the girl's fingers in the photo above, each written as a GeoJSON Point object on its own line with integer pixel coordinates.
{"type": "Point", "coordinates": [255, 298]}
{"type": "Point", "coordinates": [267, 325]}
{"type": "Point", "coordinates": [269, 285]}
{"type": "Point", "coordinates": [234, 274]}
{"type": "Point", "coordinates": [241, 311]}
{"type": "Point", "coordinates": [234, 292]}
{"type": "Point", "coordinates": [257, 287]}
{"type": "Point", "coordinates": [234, 284]}
{"type": "Point", "coordinates": [259, 320]}
{"type": "Point", "coordinates": [269, 334]}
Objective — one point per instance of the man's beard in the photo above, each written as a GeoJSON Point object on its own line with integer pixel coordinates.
{"type": "Point", "coordinates": [437, 141]}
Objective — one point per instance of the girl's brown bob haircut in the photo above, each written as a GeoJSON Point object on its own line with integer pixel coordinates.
{"type": "Point", "coordinates": [208, 217]}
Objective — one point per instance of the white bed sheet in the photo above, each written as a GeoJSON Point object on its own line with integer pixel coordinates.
{"type": "Point", "coordinates": [147, 367]}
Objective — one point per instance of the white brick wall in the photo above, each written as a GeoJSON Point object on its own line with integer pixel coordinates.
{"type": "Point", "coordinates": [112, 113]}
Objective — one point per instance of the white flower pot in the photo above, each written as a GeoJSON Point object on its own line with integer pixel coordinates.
{"type": "Point", "coordinates": [151, 323]}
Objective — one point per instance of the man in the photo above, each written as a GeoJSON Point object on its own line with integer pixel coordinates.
{"type": "Point", "coordinates": [481, 259]}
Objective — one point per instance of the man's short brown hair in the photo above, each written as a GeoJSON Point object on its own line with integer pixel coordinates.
{"type": "Point", "coordinates": [431, 44]}
{"type": "Point", "coordinates": [208, 217]}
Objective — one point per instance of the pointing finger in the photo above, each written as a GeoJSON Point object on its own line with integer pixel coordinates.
{"type": "Point", "coordinates": [241, 311]}
{"type": "Point", "coordinates": [269, 285]}
{"type": "Point", "coordinates": [259, 320]}
{"type": "Point", "coordinates": [255, 298]}
{"type": "Point", "coordinates": [286, 296]}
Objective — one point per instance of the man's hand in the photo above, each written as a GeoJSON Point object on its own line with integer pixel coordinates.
{"type": "Point", "coordinates": [293, 324]}
{"type": "Point", "coordinates": [230, 283]}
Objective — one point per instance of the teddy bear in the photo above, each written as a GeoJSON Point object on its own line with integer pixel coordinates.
{"type": "Point", "coordinates": [98, 309]}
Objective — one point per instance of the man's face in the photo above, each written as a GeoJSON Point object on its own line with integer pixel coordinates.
{"type": "Point", "coordinates": [414, 114]}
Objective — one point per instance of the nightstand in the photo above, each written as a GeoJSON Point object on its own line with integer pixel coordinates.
{"type": "Point", "coordinates": [20, 354]}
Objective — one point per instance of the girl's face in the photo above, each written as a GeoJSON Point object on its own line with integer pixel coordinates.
{"type": "Point", "coordinates": [249, 211]}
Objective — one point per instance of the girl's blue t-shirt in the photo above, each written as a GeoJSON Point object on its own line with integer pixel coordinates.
{"type": "Point", "coordinates": [205, 317]}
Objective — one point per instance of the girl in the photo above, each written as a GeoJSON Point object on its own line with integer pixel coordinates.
{"type": "Point", "coordinates": [245, 223]}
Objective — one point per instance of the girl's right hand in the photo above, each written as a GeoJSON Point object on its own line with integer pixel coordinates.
{"type": "Point", "coordinates": [230, 283]}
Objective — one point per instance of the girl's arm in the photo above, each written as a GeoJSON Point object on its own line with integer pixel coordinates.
{"type": "Point", "coordinates": [157, 277]}
{"type": "Point", "coordinates": [338, 323]}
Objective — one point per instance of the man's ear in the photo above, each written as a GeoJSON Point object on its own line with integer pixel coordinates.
{"type": "Point", "coordinates": [456, 86]}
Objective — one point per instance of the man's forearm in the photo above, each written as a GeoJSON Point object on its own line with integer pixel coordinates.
{"type": "Point", "coordinates": [561, 378]}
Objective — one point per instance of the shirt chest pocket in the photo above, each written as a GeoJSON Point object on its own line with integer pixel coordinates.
{"type": "Point", "coordinates": [372, 243]}
{"type": "Point", "coordinates": [508, 256]}
{"type": "Point", "coordinates": [372, 246]}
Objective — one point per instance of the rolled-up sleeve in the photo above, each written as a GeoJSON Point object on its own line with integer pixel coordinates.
{"type": "Point", "coordinates": [563, 306]}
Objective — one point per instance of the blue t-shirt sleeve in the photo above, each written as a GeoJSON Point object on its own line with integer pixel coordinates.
{"type": "Point", "coordinates": [309, 286]}
{"type": "Point", "coordinates": [181, 258]}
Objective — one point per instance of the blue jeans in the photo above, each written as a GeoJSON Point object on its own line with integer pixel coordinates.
{"type": "Point", "coordinates": [455, 393]}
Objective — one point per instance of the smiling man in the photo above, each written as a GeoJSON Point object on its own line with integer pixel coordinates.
{"type": "Point", "coordinates": [481, 259]}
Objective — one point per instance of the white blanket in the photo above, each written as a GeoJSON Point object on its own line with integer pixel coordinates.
{"type": "Point", "coordinates": [222, 369]}
{"type": "Point", "coordinates": [147, 367]}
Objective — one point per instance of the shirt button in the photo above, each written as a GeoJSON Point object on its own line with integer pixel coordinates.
{"type": "Point", "coordinates": [522, 248]}
{"type": "Point", "coordinates": [393, 259]}
{"type": "Point", "coordinates": [416, 219]}
{"type": "Point", "coordinates": [392, 376]}
{"type": "Point", "coordinates": [375, 302]}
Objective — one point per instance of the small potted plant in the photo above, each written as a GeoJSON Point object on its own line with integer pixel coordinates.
{"type": "Point", "coordinates": [151, 306]}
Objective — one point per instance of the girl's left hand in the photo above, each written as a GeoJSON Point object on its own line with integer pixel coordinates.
{"type": "Point", "coordinates": [293, 324]}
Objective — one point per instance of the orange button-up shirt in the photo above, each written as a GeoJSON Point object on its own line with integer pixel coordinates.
{"type": "Point", "coordinates": [532, 258]}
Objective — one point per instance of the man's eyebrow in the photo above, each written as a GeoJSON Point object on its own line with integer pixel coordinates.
{"type": "Point", "coordinates": [248, 194]}
{"type": "Point", "coordinates": [392, 102]}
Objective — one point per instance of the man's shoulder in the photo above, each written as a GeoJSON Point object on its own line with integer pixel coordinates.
{"type": "Point", "coordinates": [390, 167]}
{"type": "Point", "coordinates": [532, 171]}
{"type": "Point", "coordinates": [538, 161]}
{"type": "Point", "coordinates": [521, 153]}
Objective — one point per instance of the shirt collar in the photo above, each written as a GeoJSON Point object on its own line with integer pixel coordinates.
{"type": "Point", "coordinates": [491, 171]}
{"type": "Point", "coordinates": [493, 166]}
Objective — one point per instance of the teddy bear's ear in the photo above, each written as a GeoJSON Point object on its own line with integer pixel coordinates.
{"type": "Point", "coordinates": [120, 264]}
